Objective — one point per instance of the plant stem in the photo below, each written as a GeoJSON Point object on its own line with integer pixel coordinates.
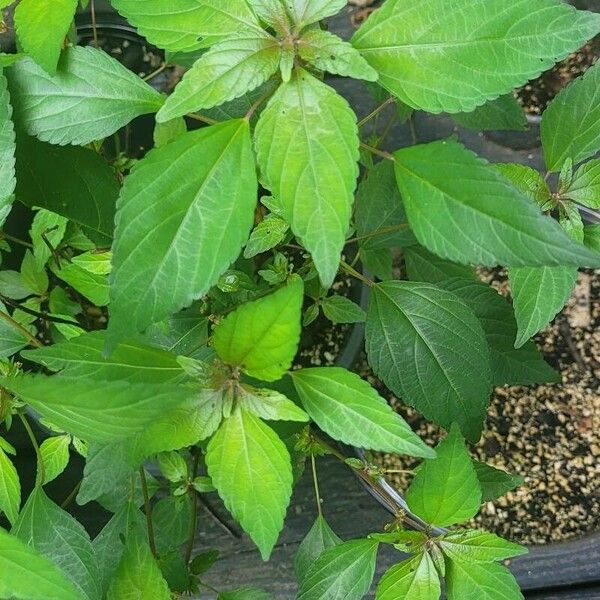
{"type": "Point", "coordinates": [375, 112]}
{"type": "Point", "coordinates": [94, 27]}
{"type": "Point", "coordinates": [156, 72]}
{"type": "Point", "coordinates": [377, 152]}
{"type": "Point", "coordinates": [194, 519]}
{"type": "Point", "coordinates": [71, 496]}
{"type": "Point", "coordinates": [351, 271]}
{"type": "Point", "coordinates": [257, 105]}
{"type": "Point", "coordinates": [148, 511]}
{"type": "Point", "coordinates": [35, 313]}
{"type": "Point", "coordinates": [202, 118]}
{"type": "Point", "coordinates": [36, 447]}
{"type": "Point", "coordinates": [382, 231]}
{"type": "Point", "coordinates": [16, 240]}
{"type": "Point", "coordinates": [313, 465]}
{"type": "Point", "coordinates": [33, 341]}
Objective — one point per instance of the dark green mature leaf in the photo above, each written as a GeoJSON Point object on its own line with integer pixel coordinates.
{"type": "Point", "coordinates": [305, 12]}
{"type": "Point", "coordinates": [422, 265]}
{"type": "Point", "coordinates": [91, 285]}
{"type": "Point", "coordinates": [504, 113]}
{"type": "Point", "coordinates": [522, 366]}
{"type": "Point", "coordinates": [319, 538]}
{"type": "Point", "coordinates": [138, 574]}
{"type": "Point", "coordinates": [592, 237]}
{"type": "Point", "coordinates": [470, 580]}
{"type": "Point", "coordinates": [42, 27]}
{"type": "Point", "coordinates": [91, 96]}
{"type": "Point", "coordinates": [194, 197]}
{"type": "Point", "coordinates": [585, 185]}
{"type": "Point", "coordinates": [430, 349]}
{"type": "Point", "coordinates": [339, 309]}
{"type": "Point", "coordinates": [347, 408]}
{"type": "Point", "coordinates": [7, 151]}
{"type": "Point", "coordinates": [262, 336]}
{"type": "Point", "coordinates": [527, 180]}
{"type": "Point", "coordinates": [475, 544]}
{"type": "Point", "coordinates": [571, 124]}
{"type": "Point", "coordinates": [227, 71]}
{"type": "Point", "coordinates": [343, 572]}
{"type": "Point", "coordinates": [76, 183]}
{"type": "Point", "coordinates": [171, 517]}
{"type": "Point", "coordinates": [114, 409]}
{"type": "Point", "coordinates": [131, 361]}
{"type": "Point", "coordinates": [10, 490]}
{"type": "Point", "coordinates": [412, 579]}
{"type": "Point", "coordinates": [538, 295]}
{"type": "Point", "coordinates": [328, 52]}
{"type": "Point", "coordinates": [250, 467]}
{"type": "Point", "coordinates": [462, 209]}
{"type": "Point", "coordinates": [314, 182]}
{"type": "Point", "coordinates": [445, 490]}
{"type": "Point", "coordinates": [54, 533]}
{"type": "Point", "coordinates": [452, 58]}
{"type": "Point", "coordinates": [28, 575]}
{"type": "Point", "coordinates": [495, 482]}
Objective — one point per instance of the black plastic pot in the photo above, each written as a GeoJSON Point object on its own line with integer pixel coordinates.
{"type": "Point", "coordinates": [519, 140]}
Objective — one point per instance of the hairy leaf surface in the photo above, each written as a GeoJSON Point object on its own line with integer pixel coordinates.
{"type": "Point", "coordinates": [412, 579]}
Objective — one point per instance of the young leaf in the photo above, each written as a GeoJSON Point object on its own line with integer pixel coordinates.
{"type": "Point", "coordinates": [115, 409]}
{"type": "Point", "coordinates": [250, 467]}
{"type": "Point", "coordinates": [343, 571]}
{"type": "Point", "coordinates": [11, 340]}
{"type": "Point", "coordinates": [270, 405]}
{"type": "Point", "coordinates": [465, 211]}
{"type": "Point", "coordinates": [412, 579]}
{"type": "Point", "coordinates": [571, 124]}
{"type": "Point", "coordinates": [55, 456]}
{"type": "Point", "coordinates": [7, 151]}
{"type": "Point", "coordinates": [328, 52]}
{"type": "Point", "coordinates": [227, 71]}
{"type": "Point", "coordinates": [33, 277]}
{"type": "Point", "coordinates": [452, 58]}
{"type": "Point", "coordinates": [504, 113]}
{"type": "Point", "coordinates": [266, 235]}
{"type": "Point", "coordinates": [538, 295]}
{"type": "Point", "coordinates": [272, 12]}
{"type": "Point", "coordinates": [93, 287]}
{"type": "Point", "coordinates": [172, 466]}
{"type": "Point", "coordinates": [526, 180]}
{"type": "Point", "coordinates": [97, 263]}
{"type": "Point", "coordinates": [10, 491]}
{"type": "Point", "coordinates": [474, 544]}
{"type": "Point", "coordinates": [54, 533]}
{"type": "Point", "coordinates": [138, 574]}
{"type": "Point", "coordinates": [445, 490]}
{"type": "Point", "coordinates": [585, 185]}
{"type": "Point", "coordinates": [470, 580]}
{"type": "Point", "coordinates": [42, 27]}
{"type": "Point", "coordinates": [422, 265]}
{"type": "Point", "coordinates": [430, 349]}
{"type": "Point", "coordinates": [90, 97]}
{"type": "Point", "coordinates": [207, 219]}
{"type": "Point", "coordinates": [320, 538]}
{"type": "Point", "coordinates": [350, 410]}
{"type": "Point", "coordinates": [315, 182]}
{"type": "Point", "coordinates": [495, 482]}
{"type": "Point", "coordinates": [339, 309]}
{"type": "Point", "coordinates": [168, 131]}
{"type": "Point", "coordinates": [262, 336]}
{"type": "Point", "coordinates": [305, 12]}
{"type": "Point", "coordinates": [28, 575]}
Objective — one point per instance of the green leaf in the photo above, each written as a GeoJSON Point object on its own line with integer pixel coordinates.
{"type": "Point", "coordinates": [463, 210]}
{"type": "Point", "coordinates": [445, 490]}
{"type": "Point", "coordinates": [319, 538]}
{"type": "Point", "coordinates": [273, 13]}
{"type": "Point", "coordinates": [470, 580]}
{"type": "Point", "coordinates": [51, 226]}
{"type": "Point", "coordinates": [54, 533]}
{"type": "Point", "coordinates": [96, 262]}
{"type": "Point", "coordinates": [343, 572]}
{"type": "Point", "coordinates": [527, 180]}
{"type": "Point", "coordinates": [115, 409]}
{"type": "Point", "coordinates": [270, 405]}
{"type": "Point", "coordinates": [266, 235]}
{"type": "Point", "coordinates": [495, 482]}
{"type": "Point", "coordinates": [168, 131]}
{"type": "Point", "coordinates": [227, 71]}
{"type": "Point", "coordinates": [412, 579]}
{"type": "Point", "coordinates": [452, 58]}
{"type": "Point", "coordinates": [138, 574]}
{"type": "Point", "coordinates": [538, 295]}
{"type": "Point", "coordinates": [33, 276]}
{"type": "Point", "coordinates": [250, 467]}
{"type": "Point", "coordinates": [171, 517]}
{"type": "Point", "coordinates": [504, 113]}
{"type": "Point", "coordinates": [7, 151]}
{"type": "Point", "coordinates": [93, 287]}
{"type": "Point", "coordinates": [262, 336]}
{"type": "Point", "coordinates": [55, 456]}
{"type": "Point", "coordinates": [347, 408]}
{"type": "Point", "coordinates": [522, 366]}
{"type": "Point", "coordinates": [585, 186]}
{"type": "Point", "coordinates": [339, 309]}
{"type": "Point", "coordinates": [41, 28]}
{"type": "Point", "coordinates": [207, 219]}
{"type": "Point", "coordinates": [305, 12]}
{"type": "Point", "coordinates": [188, 24]}
{"type": "Point", "coordinates": [11, 340]}
{"type": "Point", "coordinates": [245, 593]}
{"type": "Point", "coordinates": [430, 349]}
{"type": "Point", "coordinates": [315, 182]}
{"type": "Point", "coordinates": [172, 466]}
{"type": "Point", "coordinates": [571, 124]}
{"type": "Point", "coordinates": [592, 236]}
{"type": "Point", "coordinates": [478, 545]}
{"type": "Point", "coordinates": [131, 361]}
{"type": "Point", "coordinates": [76, 183]}
{"type": "Point", "coordinates": [422, 265]}
{"type": "Point", "coordinates": [27, 575]}
{"type": "Point", "coordinates": [328, 52]}
{"type": "Point", "coordinates": [90, 97]}
{"type": "Point", "coordinates": [10, 491]}
{"type": "Point", "coordinates": [12, 286]}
